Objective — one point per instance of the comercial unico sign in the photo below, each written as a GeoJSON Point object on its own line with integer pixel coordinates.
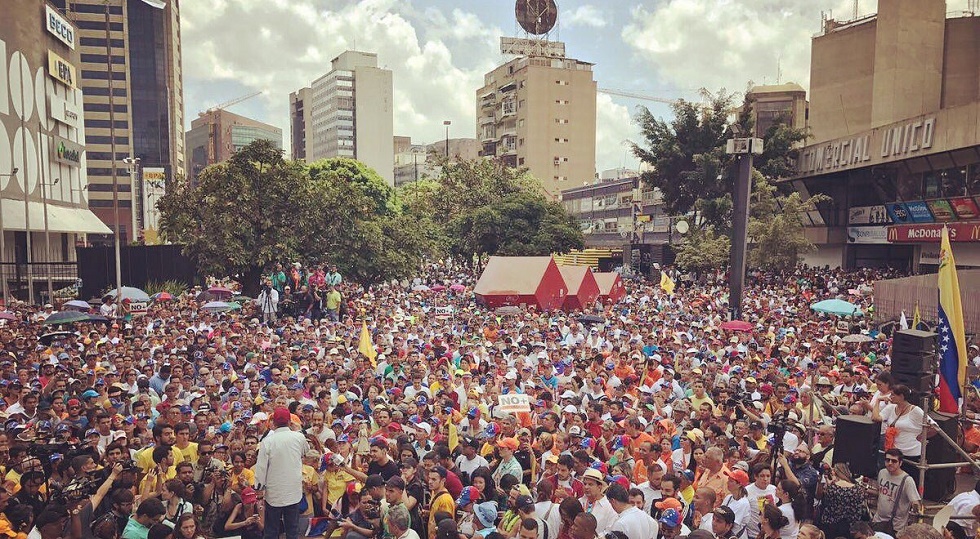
{"type": "Point", "coordinates": [882, 144]}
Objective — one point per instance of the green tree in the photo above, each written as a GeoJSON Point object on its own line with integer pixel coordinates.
{"type": "Point", "coordinates": [704, 250]}
{"type": "Point", "coordinates": [360, 176]}
{"type": "Point", "coordinates": [521, 224]}
{"type": "Point", "coordinates": [777, 238]}
{"type": "Point", "coordinates": [463, 186]}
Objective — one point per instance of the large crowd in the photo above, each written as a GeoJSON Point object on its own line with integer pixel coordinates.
{"type": "Point", "coordinates": [646, 419]}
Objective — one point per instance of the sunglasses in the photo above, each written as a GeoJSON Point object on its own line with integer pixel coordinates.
{"type": "Point", "coordinates": [891, 460]}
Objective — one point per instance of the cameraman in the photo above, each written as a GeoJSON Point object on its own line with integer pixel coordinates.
{"type": "Point", "coordinates": [268, 302]}
{"type": "Point", "coordinates": [83, 511]}
{"type": "Point", "coordinates": [30, 491]}
{"type": "Point", "coordinates": [365, 521]}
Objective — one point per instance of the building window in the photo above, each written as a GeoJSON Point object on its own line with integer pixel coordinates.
{"type": "Point", "coordinates": [560, 140]}
{"type": "Point", "coordinates": [561, 121]}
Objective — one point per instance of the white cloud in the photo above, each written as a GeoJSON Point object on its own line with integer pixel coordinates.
{"type": "Point", "coordinates": [585, 15]}
{"type": "Point", "coordinates": [614, 128]}
{"type": "Point", "coordinates": [289, 44]}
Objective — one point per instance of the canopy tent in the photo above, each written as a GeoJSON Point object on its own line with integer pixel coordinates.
{"type": "Point", "coordinates": [582, 288]}
{"type": "Point", "coordinates": [516, 280]}
{"type": "Point", "coordinates": [611, 287]}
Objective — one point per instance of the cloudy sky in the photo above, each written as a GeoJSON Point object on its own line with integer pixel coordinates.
{"type": "Point", "coordinates": [439, 51]}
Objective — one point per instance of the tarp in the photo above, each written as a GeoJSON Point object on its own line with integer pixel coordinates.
{"type": "Point", "coordinates": [516, 280]}
{"type": "Point", "coordinates": [892, 296]}
{"type": "Point", "coordinates": [582, 288]}
{"type": "Point", "coordinates": [611, 287]}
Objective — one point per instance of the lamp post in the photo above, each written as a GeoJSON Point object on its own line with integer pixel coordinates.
{"type": "Point", "coordinates": [447, 123]}
{"type": "Point", "coordinates": [132, 163]}
{"type": "Point", "coordinates": [112, 149]}
{"type": "Point", "coordinates": [47, 235]}
{"type": "Point", "coordinates": [3, 248]}
{"type": "Point", "coordinates": [743, 148]}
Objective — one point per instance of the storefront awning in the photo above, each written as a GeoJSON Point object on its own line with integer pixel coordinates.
{"type": "Point", "coordinates": [61, 219]}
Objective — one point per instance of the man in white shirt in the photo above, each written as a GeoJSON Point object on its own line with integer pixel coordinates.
{"type": "Point", "coordinates": [631, 521]}
{"type": "Point", "coordinates": [594, 502]}
{"type": "Point", "coordinates": [279, 471]}
{"type": "Point", "coordinates": [963, 504]}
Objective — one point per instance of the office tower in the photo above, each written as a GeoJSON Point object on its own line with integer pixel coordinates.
{"type": "Point", "coordinates": [217, 134]}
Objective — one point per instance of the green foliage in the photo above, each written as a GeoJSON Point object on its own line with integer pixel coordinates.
{"type": "Point", "coordinates": [776, 226]}
{"type": "Point", "coordinates": [464, 186]}
{"type": "Point", "coordinates": [174, 288]}
{"type": "Point", "coordinates": [520, 224]}
{"type": "Point", "coordinates": [359, 175]}
{"type": "Point", "coordinates": [704, 250]}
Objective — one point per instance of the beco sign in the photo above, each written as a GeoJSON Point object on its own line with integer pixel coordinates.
{"type": "Point", "coordinates": [59, 26]}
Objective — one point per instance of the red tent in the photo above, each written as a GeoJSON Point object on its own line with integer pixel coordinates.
{"type": "Point", "coordinates": [516, 280]}
{"type": "Point", "coordinates": [582, 288]}
{"type": "Point", "coordinates": [610, 286]}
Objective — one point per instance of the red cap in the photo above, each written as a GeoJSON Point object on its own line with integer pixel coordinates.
{"type": "Point", "coordinates": [281, 416]}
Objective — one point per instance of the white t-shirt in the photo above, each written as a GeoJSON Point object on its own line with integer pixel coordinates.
{"type": "Point", "coordinates": [909, 427]}
{"type": "Point", "coordinates": [741, 509]}
{"type": "Point", "coordinates": [962, 505]}
{"type": "Point", "coordinates": [791, 530]}
{"type": "Point", "coordinates": [635, 524]}
{"type": "Point", "coordinates": [468, 466]}
{"type": "Point", "coordinates": [548, 512]}
{"type": "Point", "coordinates": [602, 510]}
{"type": "Point", "coordinates": [755, 494]}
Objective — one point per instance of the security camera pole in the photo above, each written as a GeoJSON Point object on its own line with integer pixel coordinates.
{"type": "Point", "coordinates": [744, 148]}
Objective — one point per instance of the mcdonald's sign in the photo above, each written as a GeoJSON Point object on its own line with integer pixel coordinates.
{"type": "Point", "coordinates": [930, 233]}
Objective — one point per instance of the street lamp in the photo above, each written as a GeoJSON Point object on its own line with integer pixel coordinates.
{"type": "Point", "coordinates": [3, 249]}
{"type": "Point", "coordinates": [447, 123]}
{"type": "Point", "coordinates": [47, 235]}
{"type": "Point", "coordinates": [132, 163]}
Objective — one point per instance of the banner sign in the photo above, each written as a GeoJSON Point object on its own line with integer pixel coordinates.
{"type": "Point", "coordinates": [867, 234]}
{"type": "Point", "coordinates": [59, 26]}
{"type": "Point", "coordinates": [63, 111]}
{"type": "Point", "coordinates": [941, 210]}
{"type": "Point", "coordinates": [868, 215]}
{"type": "Point", "coordinates": [61, 70]}
{"type": "Point", "coordinates": [898, 212]}
{"type": "Point", "coordinates": [66, 152]}
{"type": "Point", "coordinates": [919, 211]}
{"type": "Point", "coordinates": [514, 403]}
{"type": "Point", "coordinates": [965, 207]}
{"type": "Point", "coordinates": [930, 233]}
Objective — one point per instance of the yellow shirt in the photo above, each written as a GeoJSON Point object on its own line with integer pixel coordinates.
{"type": "Point", "coordinates": [310, 479]}
{"type": "Point", "coordinates": [443, 501]}
{"type": "Point", "coordinates": [189, 453]}
{"type": "Point", "coordinates": [244, 479]}
{"type": "Point", "coordinates": [336, 483]}
{"type": "Point", "coordinates": [144, 459]}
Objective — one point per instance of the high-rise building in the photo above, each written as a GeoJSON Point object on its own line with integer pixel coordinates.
{"type": "Point", "coordinates": [540, 113]}
{"type": "Point", "coordinates": [769, 104]}
{"type": "Point", "coordinates": [146, 118]}
{"type": "Point", "coordinates": [347, 112]}
{"type": "Point", "coordinates": [217, 134]}
{"type": "Point", "coordinates": [299, 117]}
{"type": "Point", "coordinates": [43, 177]}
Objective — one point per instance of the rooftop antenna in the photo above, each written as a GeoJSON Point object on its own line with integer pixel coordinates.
{"type": "Point", "coordinates": [855, 14]}
{"type": "Point", "coordinates": [779, 70]}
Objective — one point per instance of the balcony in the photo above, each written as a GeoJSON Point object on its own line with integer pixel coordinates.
{"type": "Point", "coordinates": [508, 108]}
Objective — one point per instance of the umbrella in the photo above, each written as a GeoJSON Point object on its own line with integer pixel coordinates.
{"type": "Point", "coordinates": [217, 306]}
{"type": "Point", "coordinates": [204, 297]}
{"type": "Point", "coordinates": [856, 338]}
{"type": "Point", "coordinates": [241, 298]}
{"type": "Point", "coordinates": [438, 288]}
{"type": "Point", "coordinates": [838, 307]}
{"type": "Point", "coordinates": [737, 325]}
{"type": "Point", "coordinates": [420, 288]}
{"type": "Point", "coordinates": [65, 317]}
{"type": "Point", "coordinates": [591, 319]}
{"type": "Point", "coordinates": [99, 319]}
{"type": "Point", "coordinates": [162, 296]}
{"type": "Point", "coordinates": [131, 293]}
{"type": "Point", "coordinates": [48, 337]}
{"type": "Point", "coordinates": [7, 315]}
{"type": "Point", "coordinates": [77, 304]}
{"type": "Point", "coordinates": [457, 287]}
{"type": "Point", "coordinates": [220, 291]}
{"type": "Point", "coordinates": [234, 305]}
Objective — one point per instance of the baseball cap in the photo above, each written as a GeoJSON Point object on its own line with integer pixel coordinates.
{"type": "Point", "coordinates": [524, 501]}
{"type": "Point", "coordinates": [738, 476]}
{"type": "Point", "coordinates": [725, 513]}
{"type": "Point", "coordinates": [669, 503]}
{"type": "Point", "coordinates": [281, 416]}
{"type": "Point", "coordinates": [670, 518]}
{"type": "Point", "coordinates": [509, 443]}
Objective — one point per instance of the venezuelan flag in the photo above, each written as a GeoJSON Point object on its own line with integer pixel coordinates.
{"type": "Point", "coordinates": [952, 338]}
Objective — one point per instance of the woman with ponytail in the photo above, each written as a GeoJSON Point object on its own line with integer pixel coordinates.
{"type": "Point", "coordinates": [792, 503]}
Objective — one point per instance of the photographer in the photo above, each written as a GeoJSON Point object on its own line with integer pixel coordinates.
{"type": "Point", "coordinates": [268, 302]}
{"type": "Point", "coordinates": [83, 514]}
{"type": "Point", "coordinates": [365, 521]}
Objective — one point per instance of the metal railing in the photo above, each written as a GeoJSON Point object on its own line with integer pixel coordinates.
{"type": "Point", "coordinates": [18, 275]}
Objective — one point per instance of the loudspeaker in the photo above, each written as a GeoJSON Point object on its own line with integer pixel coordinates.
{"type": "Point", "coordinates": [914, 340]}
{"type": "Point", "coordinates": [912, 362]}
{"type": "Point", "coordinates": [856, 441]}
{"type": "Point", "coordinates": [941, 483]}
{"type": "Point", "coordinates": [918, 383]}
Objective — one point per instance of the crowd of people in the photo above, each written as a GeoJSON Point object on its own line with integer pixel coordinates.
{"type": "Point", "coordinates": [647, 421]}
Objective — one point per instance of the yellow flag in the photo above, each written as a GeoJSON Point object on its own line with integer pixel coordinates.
{"type": "Point", "coordinates": [666, 283]}
{"type": "Point", "coordinates": [365, 346]}
{"type": "Point", "coordinates": [453, 436]}
{"type": "Point", "coordinates": [916, 317]}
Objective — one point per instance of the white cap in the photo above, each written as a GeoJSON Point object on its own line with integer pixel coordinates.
{"type": "Point", "coordinates": [568, 394]}
{"type": "Point", "coordinates": [570, 409]}
{"type": "Point", "coordinates": [259, 417]}
{"type": "Point", "coordinates": [511, 375]}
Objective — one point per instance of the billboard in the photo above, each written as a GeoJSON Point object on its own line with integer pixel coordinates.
{"type": "Point", "coordinates": [867, 234]}
{"type": "Point", "coordinates": [919, 211]}
{"type": "Point", "coordinates": [868, 215]}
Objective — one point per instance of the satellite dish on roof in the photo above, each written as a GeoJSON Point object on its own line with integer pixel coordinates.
{"type": "Point", "coordinates": [682, 227]}
{"type": "Point", "coordinates": [536, 17]}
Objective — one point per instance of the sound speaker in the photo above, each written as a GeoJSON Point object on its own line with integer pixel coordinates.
{"type": "Point", "coordinates": [941, 484]}
{"type": "Point", "coordinates": [918, 383]}
{"type": "Point", "coordinates": [912, 362]}
{"type": "Point", "coordinates": [856, 441]}
{"type": "Point", "coordinates": [915, 341]}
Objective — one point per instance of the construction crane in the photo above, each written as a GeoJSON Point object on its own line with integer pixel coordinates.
{"type": "Point", "coordinates": [212, 113]}
{"type": "Point", "coordinates": [634, 95]}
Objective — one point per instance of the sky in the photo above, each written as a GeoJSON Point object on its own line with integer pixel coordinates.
{"type": "Point", "coordinates": [439, 50]}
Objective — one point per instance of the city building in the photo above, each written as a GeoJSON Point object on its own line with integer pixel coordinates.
{"type": "Point", "coordinates": [44, 184]}
{"type": "Point", "coordinates": [414, 162]}
{"type": "Point", "coordinates": [604, 209]}
{"type": "Point", "coordinates": [146, 117]}
{"type": "Point", "coordinates": [895, 123]}
{"type": "Point", "coordinates": [782, 103]}
{"type": "Point", "coordinates": [347, 112]}
{"type": "Point", "coordinates": [299, 117]}
{"type": "Point", "coordinates": [540, 113]}
{"type": "Point", "coordinates": [217, 134]}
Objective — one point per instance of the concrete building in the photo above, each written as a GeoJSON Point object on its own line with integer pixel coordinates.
{"type": "Point", "coordinates": [604, 210]}
{"type": "Point", "coordinates": [540, 113]}
{"type": "Point", "coordinates": [147, 114]}
{"type": "Point", "coordinates": [217, 134]}
{"type": "Point", "coordinates": [43, 175]}
{"type": "Point", "coordinates": [300, 108]}
{"type": "Point", "coordinates": [784, 103]}
{"type": "Point", "coordinates": [417, 161]}
{"type": "Point", "coordinates": [895, 119]}
{"type": "Point", "coordinates": [347, 112]}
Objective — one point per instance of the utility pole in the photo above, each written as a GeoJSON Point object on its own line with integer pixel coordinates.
{"type": "Point", "coordinates": [744, 148]}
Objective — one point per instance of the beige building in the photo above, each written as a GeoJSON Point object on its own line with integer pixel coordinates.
{"type": "Point", "coordinates": [779, 102]}
{"type": "Point", "coordinates": [148, 110]}
{"type": "Point", "coordinates": [347, 112]}
{"type": "Point", "coordinates": [895, 123]}
{"type": "Point", "coordinates": [540, 113]}
{"type": "Point", "coordinates": [43, 175]}
{"type": "Point", "coordinates": [414, 162]}
{"type": "Point", "coordinates": [215, 135]}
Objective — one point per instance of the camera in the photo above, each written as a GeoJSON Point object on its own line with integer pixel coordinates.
{"type": "Point", "coordinates": [370, 509]}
